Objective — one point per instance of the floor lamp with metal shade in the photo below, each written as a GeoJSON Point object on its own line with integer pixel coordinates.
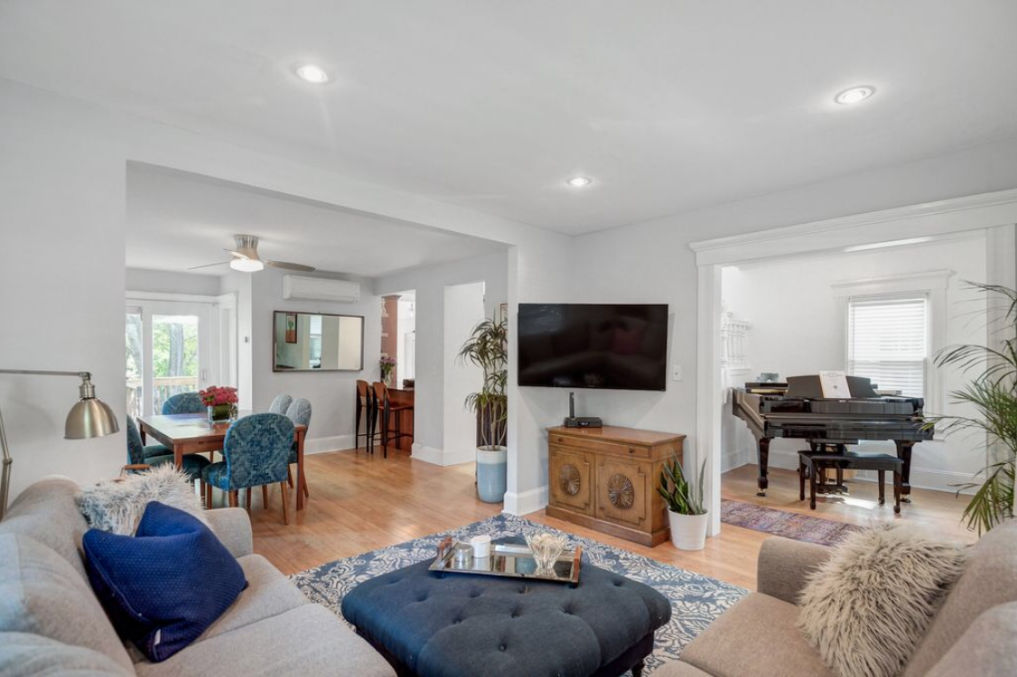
{"type": "Point", "coordinates": [89, 417]}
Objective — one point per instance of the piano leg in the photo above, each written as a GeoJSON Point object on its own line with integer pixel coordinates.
{"type": "Point", "coordinates": [764, 460]}
{"type": "Point", "coordinates": [904, 453]}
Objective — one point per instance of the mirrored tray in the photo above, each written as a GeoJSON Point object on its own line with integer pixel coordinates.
{"type": "Point", "coordinates": [507, 559]}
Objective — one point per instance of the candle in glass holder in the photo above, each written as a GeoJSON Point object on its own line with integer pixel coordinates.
{"type": "Point", "coordinates": [481, 545]}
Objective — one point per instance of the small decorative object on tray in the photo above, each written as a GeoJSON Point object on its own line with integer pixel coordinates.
{"type": "Point", "coordinates": [546, 549]}
{"type": "Point", "coordinates": [511, 559]}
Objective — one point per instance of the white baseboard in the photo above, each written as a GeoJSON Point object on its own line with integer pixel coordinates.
{"type": "Point", "coordinates": [525, 502]}
{"type": "Point", "coordinates": [441, 457]}
{"type": "Point", "coordinates": [732, 460]}
{"type": "Point", "coordinates": [334, 443]}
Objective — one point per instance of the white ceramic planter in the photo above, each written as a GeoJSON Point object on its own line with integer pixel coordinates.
{"type": "Point", "coordinates": [492, 464]}
{"type": "Point", "coordinates": [688, 532]}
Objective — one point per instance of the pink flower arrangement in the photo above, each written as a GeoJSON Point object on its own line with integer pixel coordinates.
{"type": "Point", "coordinates": [215, 395]}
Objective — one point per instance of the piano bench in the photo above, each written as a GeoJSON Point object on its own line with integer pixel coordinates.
{"type": "Point", "coordinates": [812, 464]}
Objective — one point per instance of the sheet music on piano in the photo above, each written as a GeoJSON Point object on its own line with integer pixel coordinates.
{"type": "Point", "coordinates": [834, 384]}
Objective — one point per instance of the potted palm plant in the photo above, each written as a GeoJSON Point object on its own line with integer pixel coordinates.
{"type": "Point", "coordinates": [686, 513]}
{"type": "Point", "coordinates": [992, 392]}
{"type": "Point", "coordinates": [487, 347]}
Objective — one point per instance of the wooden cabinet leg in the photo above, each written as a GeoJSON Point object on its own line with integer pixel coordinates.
{"type": "Point", "coordinates": [233, 498]}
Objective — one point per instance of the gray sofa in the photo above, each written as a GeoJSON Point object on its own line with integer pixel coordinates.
{"type": "Point", "coordinates": [51, 623]}
{"type": "Point", "coordinates": [973, 633]}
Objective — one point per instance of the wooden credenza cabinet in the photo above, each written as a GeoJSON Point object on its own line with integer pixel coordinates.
{"type": "Point", "coordinates": [606, 479]}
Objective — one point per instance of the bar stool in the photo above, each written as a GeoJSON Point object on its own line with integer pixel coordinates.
{"type": "Point", "coordinates": [383, 409]}
{"type": "Point", "coordinates": [364, 409]}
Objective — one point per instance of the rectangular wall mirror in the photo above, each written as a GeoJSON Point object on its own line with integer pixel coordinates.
{"type": "Point", "coordinates": [317, 342]}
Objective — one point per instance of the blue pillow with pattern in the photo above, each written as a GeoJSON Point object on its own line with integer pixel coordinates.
{"type": "Point", "coordinates": [166, 584]}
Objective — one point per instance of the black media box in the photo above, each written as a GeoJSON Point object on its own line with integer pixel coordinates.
{"type": "Point", "coordinates": [583, 422]}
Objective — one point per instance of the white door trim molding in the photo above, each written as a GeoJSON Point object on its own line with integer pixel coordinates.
{"type": "Point", "coordinates": [170, 296]}
{"type": "Point", "coordinates": [974, 212]}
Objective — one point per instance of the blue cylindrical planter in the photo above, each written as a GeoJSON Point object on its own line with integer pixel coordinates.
{"type": "Point", "coordinates": [491, 474]}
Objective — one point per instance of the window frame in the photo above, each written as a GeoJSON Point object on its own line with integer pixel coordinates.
{"type": "Point", "coordinates": [927, 368]}
{"type": "Point", "coordinates": [934, 285]}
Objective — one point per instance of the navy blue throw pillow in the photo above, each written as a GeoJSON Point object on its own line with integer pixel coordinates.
{"type": "Point", "coordinates": [166, 584]}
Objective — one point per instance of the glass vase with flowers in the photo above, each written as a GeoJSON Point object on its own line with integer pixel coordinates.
{"type": "Point", "coordinates": [221, 402]}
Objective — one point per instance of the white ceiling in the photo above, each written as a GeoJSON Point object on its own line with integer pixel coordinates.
{"type": "Point", "coordinates": [176, 220]}
{"type": "Point", "coordinates": [668, 105]}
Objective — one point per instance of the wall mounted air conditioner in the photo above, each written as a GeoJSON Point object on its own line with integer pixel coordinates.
{"type": "Point", "coordinates": [320, 289]}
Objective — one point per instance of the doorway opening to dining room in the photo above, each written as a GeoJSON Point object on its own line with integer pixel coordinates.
{"type": "Point", "coordinates": [177, 343]}
{"type": "Point", "coordinates": [399, 338]}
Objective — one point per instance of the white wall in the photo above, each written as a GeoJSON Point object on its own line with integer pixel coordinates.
{"type": "Point", "coordinates": [62, 276]}
{"type": "Point", "coordinates": [799, 327]}
{"type": "Point", "coordinates": [240, 285]}
{"type": "Point", "coordinates": [332, 393]}
{"type": "Point", "coordinates": [165, 281]}
{"type": "Point", "coordinates": [464, 309]}
{"type": "Point", "coordinates": [429, 284]}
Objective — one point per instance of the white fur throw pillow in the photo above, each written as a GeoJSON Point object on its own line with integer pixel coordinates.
{"type": "Point", "coordinates": [117, 506]}
{"type": "Point", "coordinates": [867, 606]}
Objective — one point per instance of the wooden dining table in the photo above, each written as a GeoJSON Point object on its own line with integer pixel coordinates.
{"type": "Point", "coordinates": [192, 433]}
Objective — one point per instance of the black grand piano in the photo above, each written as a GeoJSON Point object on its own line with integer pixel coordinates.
{"type": "Point", "coordinates": [797, 409]}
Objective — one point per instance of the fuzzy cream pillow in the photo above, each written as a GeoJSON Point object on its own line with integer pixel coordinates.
{"type": "Point", "coordinates": [117, 506]}
{"type": "Point", "coordinates": [867, 606]}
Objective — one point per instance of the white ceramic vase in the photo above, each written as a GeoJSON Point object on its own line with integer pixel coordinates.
{"type": "Point", "coordinates": [491, 473]}
{"type": "Point", "coordinates": [688, 532]}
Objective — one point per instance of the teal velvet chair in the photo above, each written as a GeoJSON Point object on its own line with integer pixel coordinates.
{"type": "Point", "coordinates": [280, 404]}
{"type": "Point", "coordinates": [256, 450]}
{"type": "Point", "coordinates": [184, 403]}
{"type": "Point", "coordinates": [299, 412]}
{"type": "Point", "coordinates": [138, 457]}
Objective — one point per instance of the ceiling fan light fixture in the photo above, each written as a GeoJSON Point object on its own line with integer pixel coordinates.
{"type": "Point", "coordinates": [247, 265]}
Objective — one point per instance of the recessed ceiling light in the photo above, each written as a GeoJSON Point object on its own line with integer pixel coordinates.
{"type": "Point", "coordinates": [580, 181]}
{"type": "Point", "coordinates": [309, 72]}
{"type": "Point", "coordinates": [855, 95]}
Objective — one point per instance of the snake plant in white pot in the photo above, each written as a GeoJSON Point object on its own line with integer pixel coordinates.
{"type": "Point", "coordinates": [487, 347]}
{"type": "Point", "coordinates": [686, 513]}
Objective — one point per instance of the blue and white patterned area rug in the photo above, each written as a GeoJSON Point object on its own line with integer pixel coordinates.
{"type": "Point", "coordinates": [695, 600]}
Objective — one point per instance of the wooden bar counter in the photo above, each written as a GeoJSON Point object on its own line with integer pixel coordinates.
{"type": "Point", "coordinates": [606, 479]}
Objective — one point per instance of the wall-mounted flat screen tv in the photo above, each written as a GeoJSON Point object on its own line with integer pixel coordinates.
{"type": "Point", "coordinates": [592, 345]}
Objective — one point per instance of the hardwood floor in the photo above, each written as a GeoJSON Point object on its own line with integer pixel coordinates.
{"type": "Point", "coordinates": [360, 502]}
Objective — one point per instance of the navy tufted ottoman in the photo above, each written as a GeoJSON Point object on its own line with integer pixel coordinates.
{"type": "Point", "coordinates": [433, 624]}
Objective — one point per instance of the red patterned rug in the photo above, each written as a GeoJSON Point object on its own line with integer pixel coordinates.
{"type": "Point", "coordinates": [786, 524]}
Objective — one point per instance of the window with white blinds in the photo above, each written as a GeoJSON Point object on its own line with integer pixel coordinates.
{"type": "Point", "coordinates": [888, 342]}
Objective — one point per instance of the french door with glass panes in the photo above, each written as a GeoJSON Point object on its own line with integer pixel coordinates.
{"type": "Point", "coordinates": [169, 350]}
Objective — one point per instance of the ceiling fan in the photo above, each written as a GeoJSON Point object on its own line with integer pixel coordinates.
{"type": "Point", "coordinates": [246, 259]}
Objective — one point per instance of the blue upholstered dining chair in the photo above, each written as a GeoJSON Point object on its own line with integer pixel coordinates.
{"type": "Point", "coordinates": [138, 457]}
{"type": "Point", "coordinates": [280, 404]}
{"type": "Point", "coordinates": [299, 412]}
{"type": "Point", "coordinates": [256, 450]}
{"type": "Point", "coordinates": [184, 403]}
